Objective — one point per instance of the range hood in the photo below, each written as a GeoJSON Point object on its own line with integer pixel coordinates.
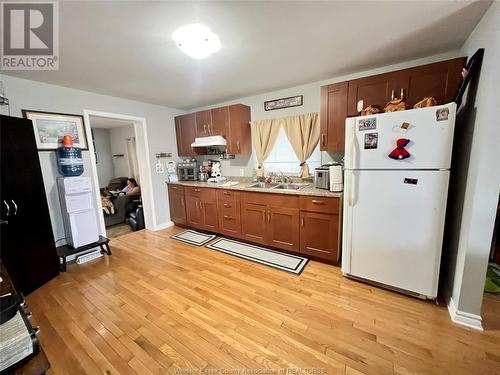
{"type": "Point", "coordinates": [216, 140]}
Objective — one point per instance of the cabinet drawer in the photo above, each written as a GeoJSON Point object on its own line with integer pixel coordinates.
{"type": "Point", "coordinates": [206, 194]}
{"type": "Point", "coordinates": [277, 200]}
{"type": "Point", "coordinates": [176, 189]}
{"type": "Point", "coordinates": [320, 204]}
{"type": "Point", "coordinates": [228, 196]}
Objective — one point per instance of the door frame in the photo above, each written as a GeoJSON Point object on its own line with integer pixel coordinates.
{"type": "Point", "coordinates": [143, 161]}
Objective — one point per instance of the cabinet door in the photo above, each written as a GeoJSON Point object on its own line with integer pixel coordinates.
{"type": "Point", "coordinates": [209, 215]}
{"type": "Point", "coordinates": [375, 90]}
{"type": "Point", "coordinates": [220, 121]}
{"type": "Point", "coordinates": [203, 123]}
{"type": "Point", "coordinates": [283, 228]}
{"type": "Point", "coordinates": [440, 80]}
{"type": "Point", "coordinates": [229, 211]}
{"type": "Point", "coordinates": [333, 115]}
{"type": "Point", "coordinates": [239, 135]}
{"type": "Point", "coordinates": [319, 235]}
{"type": "Point", "coordinates": [185, 130]}
{"type": "Point", "coordinates": [29, 250]}
{"type": "Point", "coordinates": [177, 204]}
{"type": "Point", "coordinates": [193, 211]}
{"type": "Point", "coordinates": [253, 222]}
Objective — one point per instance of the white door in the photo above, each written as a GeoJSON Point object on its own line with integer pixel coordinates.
{"type": "Point", "coordinates": [370, 139]}
{"type": "Point", "coordinates": [393, 227]}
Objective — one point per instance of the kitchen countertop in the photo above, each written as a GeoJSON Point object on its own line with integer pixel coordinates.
{"type": "Point", "coordinates": [243, 185]}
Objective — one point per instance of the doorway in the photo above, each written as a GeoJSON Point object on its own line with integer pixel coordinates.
{"type": "Point", "coordinates": [119, 160]}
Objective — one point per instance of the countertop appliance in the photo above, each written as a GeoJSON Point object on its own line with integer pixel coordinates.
{"type": "Point", "coordinates": [79, 213]}
{"type": "Point", "coordinates": [322, 177]}
{"type": "Point", "coordinates": [187, 171]}
{"type": "Point", "coordinates": [396, 185]}
{"type": "Point", "coordinates": [336, 177]}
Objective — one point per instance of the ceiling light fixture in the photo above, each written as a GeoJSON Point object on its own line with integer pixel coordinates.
{"type": "Point", "coordinates": [196, 40]}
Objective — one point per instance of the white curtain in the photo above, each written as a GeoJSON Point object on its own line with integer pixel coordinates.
{"type": "Point", "coordinates": [133, 165]}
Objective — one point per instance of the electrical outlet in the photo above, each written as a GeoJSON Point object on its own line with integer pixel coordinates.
{"type": "Point", "coordinates": [160, 168]}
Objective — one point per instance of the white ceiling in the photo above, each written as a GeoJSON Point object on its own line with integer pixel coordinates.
{"type": "Point", "coordinates": [124, 48]}
{"type": "Point", "coordinates": [98, 122]}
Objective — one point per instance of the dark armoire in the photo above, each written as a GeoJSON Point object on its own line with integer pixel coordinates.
{"type": "Point", "coordinates": [27, 242]}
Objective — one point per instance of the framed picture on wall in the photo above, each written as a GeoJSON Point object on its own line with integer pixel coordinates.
{"type": "Point", "coordinates": [292, 101]}
{"type": "Point", "coordinates": [50, 128]}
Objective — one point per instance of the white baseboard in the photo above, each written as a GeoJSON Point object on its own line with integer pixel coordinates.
{"type": "Point", "coordinates": [464, 318]}
{"type": "Point", "coordinates": [165, 225]}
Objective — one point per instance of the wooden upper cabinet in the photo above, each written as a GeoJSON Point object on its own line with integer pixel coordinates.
{"type": "Point", "coordinates": [239, 140]}
{"type": "Point", "coordinates": [373, 90]}
{"type": "Point", "coordinates": [440, 80]}
{"type": "Point", "coordinates": [185, 132]}
{"type": "Point", "coordinates": [219, 121]}
{"type": "Point", "coordinates": [203, 123]}
{"type": "Point", "coordinates": [333, 115]}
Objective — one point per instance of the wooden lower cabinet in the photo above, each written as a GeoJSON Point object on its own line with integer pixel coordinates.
{"type": "Point", "coordinates": [177, 204]}
{"type": "Point", "coordinates": [283, 228]}
{"type": "Point", "coordinates": [229, 212]}
{"type": "Point", "coordinates": [193, 211]}
{"type": "Point", "coordinates": [301, 224]}
{"type": "Point", "coordinates": [201, 208]}
{"type": "Point", "coordinates": [319, 235]}
{"type": "Point", "coordinates": [254, 222]}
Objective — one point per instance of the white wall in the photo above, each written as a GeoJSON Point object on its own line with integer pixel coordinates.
{"type": "Point", "coordinates": [312, 103]}
{"type": "Point", "coordinates": [26, 94]}
{"type": "Point", "coordinates": [118, 139]}
{"type": "Point", "coordinates": [478, 186]}
{"type": "Point", "coordinates": [105, 170]}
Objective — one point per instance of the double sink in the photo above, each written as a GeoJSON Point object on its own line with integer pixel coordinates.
{"type": "Point", "coordinates": [266, 185]}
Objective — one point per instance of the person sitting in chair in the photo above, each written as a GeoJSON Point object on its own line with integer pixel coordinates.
{"type": "Point", "coordinates": [132, 188]}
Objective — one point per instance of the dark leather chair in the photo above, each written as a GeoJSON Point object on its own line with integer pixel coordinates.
{"type": "Point", "coordinates": [136, 219]}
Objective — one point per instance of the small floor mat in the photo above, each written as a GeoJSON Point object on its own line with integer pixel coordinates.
{"type": "Point", "coordinates": [272, 258]}
{"type": "Point", "coordinates": [193, 237]}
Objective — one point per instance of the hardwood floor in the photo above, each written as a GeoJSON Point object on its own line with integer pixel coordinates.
{"type": "Point", "coordinates": [118, 230]}
{"type": "Point", "coordinates": [158, 305]}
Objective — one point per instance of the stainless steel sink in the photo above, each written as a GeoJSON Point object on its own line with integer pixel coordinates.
{"type": "Point", "coordinates": [293, 186]}
{"type": "Point", "coordinates": [263, 185]}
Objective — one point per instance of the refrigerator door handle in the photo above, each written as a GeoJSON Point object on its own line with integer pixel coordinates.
{"type": "Point", "coordinates": [351, 192]}
{"type": "Point", "coordinates": [352, 148]}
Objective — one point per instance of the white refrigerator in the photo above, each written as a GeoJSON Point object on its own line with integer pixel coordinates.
{"type": "Point", "coordinates": [396, 186]}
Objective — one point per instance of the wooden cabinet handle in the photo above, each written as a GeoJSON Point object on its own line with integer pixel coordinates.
{"type": "Point", "coordinates": [238, 145]}
{"type": "Point", "coordinates": [402, 93]}
{"type": "Point", "coordinates": [318, 202]}
{"type": "Point", "coordinates": [205, 128]}
{"type": "Point", "coordinates": [197, 190]}
{"type": "Point", "coordinates": [263, 216]}
{"type": "Point", "coordinates": [201, 206]}
{"type": "Point", "coordinates": [173, 187]}
{"type": "Point", "coordinates": [392, 95]}
{"type": "Point", "coordinates": [323, 138]}
{"type": "Point", "coordinates": [227, 205]}
{"type": "Point", "coordinates": [227, 193]}
{"type": "Point", "coordinates": [268, 216]}
{"type": "Point", "coordinates": [301, 220]}
{"type": "Point", "coordinates": [228, 217]}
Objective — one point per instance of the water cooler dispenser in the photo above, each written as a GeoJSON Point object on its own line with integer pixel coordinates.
{"type": "Point", "coordinates": [78, 211]}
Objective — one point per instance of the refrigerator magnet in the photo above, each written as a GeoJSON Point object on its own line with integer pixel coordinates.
{"type": "Point", "coordinates": [371, 141]}
{"type": "Point", "coordinates": [367, 124]}
{"type": "Point", "coordinates": [442, 114]}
